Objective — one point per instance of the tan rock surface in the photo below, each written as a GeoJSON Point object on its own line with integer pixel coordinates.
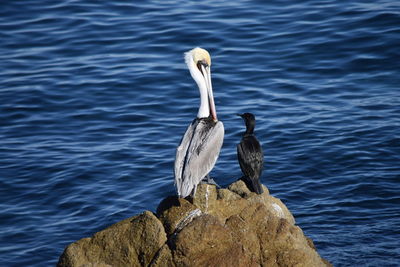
{"type": "Point", "coordinates": [131, 242]}
{"type": "Point", "coordinates": [207, 242]}
{"type": "Point", "coordinates": [218, 227]}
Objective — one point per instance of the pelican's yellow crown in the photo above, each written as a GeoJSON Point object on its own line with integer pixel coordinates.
{"type": "Point", "coordinates": [200, 54]}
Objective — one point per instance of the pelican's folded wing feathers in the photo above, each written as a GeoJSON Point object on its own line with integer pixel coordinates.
{"type": "Point", "coordinates": [181, 152]}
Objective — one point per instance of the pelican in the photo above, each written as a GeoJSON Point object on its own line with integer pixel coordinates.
{"type": "Point", "coordinates": [250, 155]}
{"type": "Point", "coordinates": [200, 145]}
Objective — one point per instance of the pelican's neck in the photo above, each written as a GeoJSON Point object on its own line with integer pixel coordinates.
{"type": "Point", "coordinates": [204, 109]}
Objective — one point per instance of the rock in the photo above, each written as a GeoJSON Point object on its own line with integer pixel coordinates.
{"type": "Point", "coordinates": [273, 204]}
{"type": "Point", "coordinates": [131, 242]}
{"type": "Point", "coordinates": [207, 242]}
{"type": "Point", "coordinates": [217, 227]}
{"type": "Point", "coordinates": [163, 258]}
{"type": "Point", "coordinates": [240, 188]}
{"type": "Point", "coordinates": [175, 213]}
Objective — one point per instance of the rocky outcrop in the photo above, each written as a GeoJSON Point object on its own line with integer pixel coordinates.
{"type": "Point", "coordinates": [218, 227]}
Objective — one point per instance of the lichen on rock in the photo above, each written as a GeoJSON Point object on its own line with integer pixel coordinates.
{"type": "Point", "coordinates": [217, 227]}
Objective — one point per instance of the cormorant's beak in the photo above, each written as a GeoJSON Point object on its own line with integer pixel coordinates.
{"type": "Point", "coordinates": [240, 115]}
{"type": "Point", "coordinates": [205, 69]}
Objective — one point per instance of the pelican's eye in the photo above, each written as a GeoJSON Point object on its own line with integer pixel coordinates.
{"type": "Point", "coordinates": [202, 63]}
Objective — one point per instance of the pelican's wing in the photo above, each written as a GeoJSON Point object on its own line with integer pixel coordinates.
{"type": "Point", "coordinates": [202, 154]}
{"type": "Point", "coordinates": [250, 156]}
{"type": "Point", "coordinates": [181, 152]}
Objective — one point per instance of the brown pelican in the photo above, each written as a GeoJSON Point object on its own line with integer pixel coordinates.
{"type": "Point", "coordinates": [250, 155]}
{"type": "Point", "coordinates": [200, 145]}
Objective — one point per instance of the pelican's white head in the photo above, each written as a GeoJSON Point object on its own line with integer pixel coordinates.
{"type": "Point", "coordinates": [198, 61]}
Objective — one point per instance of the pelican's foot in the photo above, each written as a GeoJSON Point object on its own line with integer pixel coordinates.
{"type": "Point", "coordinates": [209, 180]}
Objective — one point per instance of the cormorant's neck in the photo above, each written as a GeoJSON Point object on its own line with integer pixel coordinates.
{"type": "Point", "coordinates": [250, 127]}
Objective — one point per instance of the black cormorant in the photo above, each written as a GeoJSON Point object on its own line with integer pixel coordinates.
{"type": "Point", "coordinates": [250, 155]}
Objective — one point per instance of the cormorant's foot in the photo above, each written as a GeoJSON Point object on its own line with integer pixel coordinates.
{"type": "Point", "coordinates": [209, 180]}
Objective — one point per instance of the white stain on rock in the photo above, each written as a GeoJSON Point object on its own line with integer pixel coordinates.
{"type": "Point", "coordinates": [278, 210]}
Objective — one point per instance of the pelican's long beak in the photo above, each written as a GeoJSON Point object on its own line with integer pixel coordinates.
{"type": "Point", "coordinates": [207, 77]}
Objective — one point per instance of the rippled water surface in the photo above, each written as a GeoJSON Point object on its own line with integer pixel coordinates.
{"type": "Point", "coordinates": [95, 96]}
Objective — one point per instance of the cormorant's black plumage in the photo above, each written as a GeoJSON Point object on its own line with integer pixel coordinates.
{"type": "Point", "coordinates": [250, 155]}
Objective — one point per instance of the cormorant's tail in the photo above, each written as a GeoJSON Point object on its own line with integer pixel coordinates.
{"type": "Point", "coordinates": [253, 184]}
{"type": "Point", "coordinates": [256, 184]}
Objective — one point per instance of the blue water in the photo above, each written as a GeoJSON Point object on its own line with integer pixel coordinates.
{"type": "Point", "coordinates": [95, 96]}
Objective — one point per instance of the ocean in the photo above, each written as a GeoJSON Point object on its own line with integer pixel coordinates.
{"type": "Point", "coordinates": [95, 97]}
